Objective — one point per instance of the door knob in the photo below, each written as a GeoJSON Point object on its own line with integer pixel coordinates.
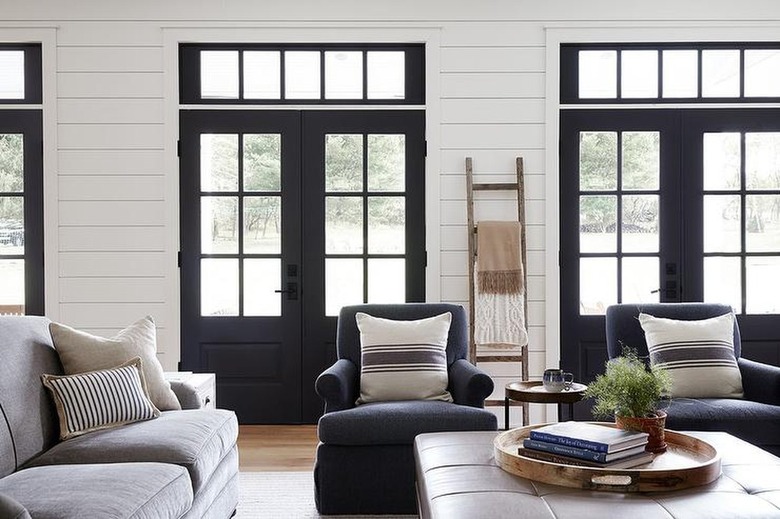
{"type": "Point", "coordinates": [292, 291]}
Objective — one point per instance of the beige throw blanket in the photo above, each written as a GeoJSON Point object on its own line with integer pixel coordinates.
{"type": "Point", "coordinates": [499, 265]}
{"type": "Point", "coordinates": [499, 302]}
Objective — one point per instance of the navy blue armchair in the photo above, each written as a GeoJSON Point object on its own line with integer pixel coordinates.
{"type": "Point", "coordinates": [754, 418]}
{"type": "Point", "coordinates": [365, 459]}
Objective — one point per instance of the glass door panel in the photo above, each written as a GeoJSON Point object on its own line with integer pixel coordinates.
{"type": "Point", "coordinates": [13, 208]}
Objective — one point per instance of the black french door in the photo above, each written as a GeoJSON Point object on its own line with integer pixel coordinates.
{"type": "Point", "coordinates": [285, 217]}
{"type": "Point", "coordinates": [668, 205]}
{"type": "Point", "coordinates": [21, 212]}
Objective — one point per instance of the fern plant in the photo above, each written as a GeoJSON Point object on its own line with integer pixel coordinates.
{"type": "Point", "coordinates": [629, 388]}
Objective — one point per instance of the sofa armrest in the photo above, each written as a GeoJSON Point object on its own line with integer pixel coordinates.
{"type": "Point", "coordinates": [10, 508]}
{"type": "Point", "coordinates": [469, 385]}
{"type": "Point", "coordinates": [187, 395]}
{"type": "Point", "coordinates": [338, 386]}
{"type": "Point", "coordinates": [761, 382]}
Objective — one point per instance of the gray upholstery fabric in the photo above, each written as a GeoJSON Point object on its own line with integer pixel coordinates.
{"type": "Point", "coordinates": [187, 395]}
{"type": "Point", "coordinates": [7, 451]}
{"type": "Point", "coordinates": [107, 491]}
{"type": "Point", "coordinates": [754, 418]}
{"type": "Point", "coordinates": [10, 508]}
{"type": "Point", "coordinates": [394, 423]}
{"type": "Point", "coordinates": [219, 497]}
{"type": "Point", "coordinates": [195, 439]}
{"type": "Point", "coordinates": [364, 464]}
{"type": "Point", "coordinates": [26, 352]}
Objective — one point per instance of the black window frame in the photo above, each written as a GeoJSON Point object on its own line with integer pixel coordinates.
{"type": "Point", "coordinates": [569, 67]}
{"type": "Point", "coordinates": [190, 87]}
{"type": "Point", "coordinates": [33, 73]}
{"type": "Point", "coordinates": [29, 122]}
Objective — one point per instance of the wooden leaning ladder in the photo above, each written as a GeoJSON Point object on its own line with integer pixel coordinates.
{"type": "Point", "coordinates": [519, 187]}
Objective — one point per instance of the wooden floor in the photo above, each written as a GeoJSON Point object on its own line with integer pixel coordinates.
{"type": "Point", "coordinates": [274, 448]}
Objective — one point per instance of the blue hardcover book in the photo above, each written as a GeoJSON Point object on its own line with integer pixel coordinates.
{"type": "Point", "coordinates": [584, 435]}
{"type": "Point", "coordinates": [583, 454]}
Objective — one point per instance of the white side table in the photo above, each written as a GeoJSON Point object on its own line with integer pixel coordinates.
{"type": "Point", "coordinates": [205, 385]}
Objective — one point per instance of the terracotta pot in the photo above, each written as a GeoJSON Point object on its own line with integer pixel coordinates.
{"type": "Point", "coordinates": [654, 426]}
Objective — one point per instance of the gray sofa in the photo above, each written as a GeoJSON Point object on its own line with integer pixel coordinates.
{"type": "Point", "coordinates": [183, 464]}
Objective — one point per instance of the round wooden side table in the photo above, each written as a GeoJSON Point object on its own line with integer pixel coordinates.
{"type": "Point", "coordinates": [534, 392]}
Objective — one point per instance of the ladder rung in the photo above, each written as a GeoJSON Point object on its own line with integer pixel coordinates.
{"type": "Point", "coordinates": [500, 358]}
{"type": "Point", "coordinates": [494, 186]}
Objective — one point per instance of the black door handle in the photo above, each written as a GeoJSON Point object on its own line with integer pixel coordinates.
{"type": "Point", "coordinates": [292, 291]}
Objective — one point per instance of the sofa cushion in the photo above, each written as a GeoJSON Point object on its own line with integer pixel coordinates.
{"type": "Point", "coordinates": [100, 399]}
{"type": "Point", "coordinates": [403, 360]}
{"type": "Point", "coordinates": [397, 423]}
{"type": "Point", "coordinates": [753, 422]}
{"type": "Point", "coordinates": [80, 352]}
{"type": "Point", "coordinates": [27, 353]}
{"type": "Point", "coordinates": [196, 439]}
{"type": "Point", "coordinates": [699, 355]}
{"type": "Point", "coordinates": [108, 491]}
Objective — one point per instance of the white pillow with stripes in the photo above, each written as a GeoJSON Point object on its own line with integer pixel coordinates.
{"type": "Point", "coordinates": [100, 399]}
{"type": "Point", "coordinates": [699, 355]}
{"type": "Point", "coordinates": [403, 360]}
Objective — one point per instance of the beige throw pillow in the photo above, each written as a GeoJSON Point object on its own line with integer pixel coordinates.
{"type": "Point", "coordinates": [403, 360]}
{"type": "Point", "coordinates": [81, 352]}
{"type": "Point", "coordinates": [698, 354]}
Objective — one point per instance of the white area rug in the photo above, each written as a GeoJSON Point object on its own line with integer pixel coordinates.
{"type": "Point", "coordinates": [283, 495]}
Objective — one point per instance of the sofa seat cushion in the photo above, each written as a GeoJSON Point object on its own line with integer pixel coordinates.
{"type": "Point", "coordinates": [195, 439]}
{"type": "Point", "coordinates": [753, 422]}
{"type": "Point", "coordinates": [397, 423]}
{"type": "Point", "coordinates": [108, 491]}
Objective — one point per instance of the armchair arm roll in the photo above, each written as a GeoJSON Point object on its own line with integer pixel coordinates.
{"type": "Point", "coordinates": [761, 382]}
{"type": "Point", "coordinates": [11, 509]}
{"type": "Point", "coordinates": [468, 384]}
{"type": "Point", "coordinates": [338, 386]}
{"type": "Point", "coordinates": [187, 395]}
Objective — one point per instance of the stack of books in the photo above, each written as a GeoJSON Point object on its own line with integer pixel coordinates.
{"type": "Point", "coordinates": [588, 445]}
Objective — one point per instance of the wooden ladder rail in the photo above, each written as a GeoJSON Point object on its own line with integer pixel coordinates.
{"type": "Point", "coordinates": [519, 187]}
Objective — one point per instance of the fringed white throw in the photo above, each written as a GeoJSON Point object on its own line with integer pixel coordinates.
{"type": "Point", "coordinates": [499, 303]}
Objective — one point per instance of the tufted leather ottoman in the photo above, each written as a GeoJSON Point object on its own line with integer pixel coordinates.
{"type": "Point", "coordinates": [457, 477]}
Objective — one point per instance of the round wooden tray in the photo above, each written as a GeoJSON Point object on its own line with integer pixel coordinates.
{"type": "Point", "coordinates": [688, 462]}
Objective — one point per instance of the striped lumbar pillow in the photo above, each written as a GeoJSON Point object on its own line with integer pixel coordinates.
{"type": "Point", "coordinates": [403, 360]}
{"type": "Point", "coordinates": [100, 399]}
{"type": "Point", "coordinates": [698, 354]}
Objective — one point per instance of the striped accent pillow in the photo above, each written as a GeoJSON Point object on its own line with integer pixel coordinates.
{"type": "Point", "coordinates": [100, 399]}
{"type": "Point", "coordinates": [403, 360]}
{"type": "Point", "coordinates": [698, 354]}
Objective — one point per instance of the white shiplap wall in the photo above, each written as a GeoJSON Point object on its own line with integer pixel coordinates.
{"type": "Point", "coordinates": [113, 260]}
{"type": "Point", "coordinates": [492, 100]}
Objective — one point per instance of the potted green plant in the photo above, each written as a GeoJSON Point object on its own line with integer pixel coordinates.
{"type": "Point", "coordinates": [632, 393]}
